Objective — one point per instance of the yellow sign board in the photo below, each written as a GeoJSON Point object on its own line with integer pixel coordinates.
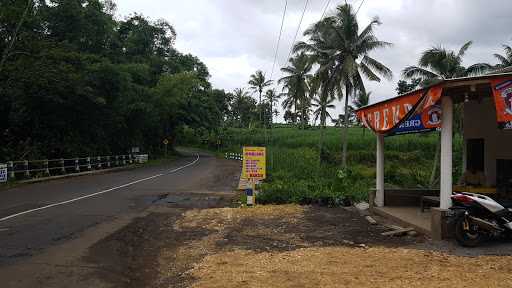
{"type": "Point", "coordinates": [254, 163]}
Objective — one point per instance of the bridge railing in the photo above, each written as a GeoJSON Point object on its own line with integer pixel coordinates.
{"type": "Point", "coordinates": [233, 156]}
{"type": "Point", "coordinates": [26, 169]}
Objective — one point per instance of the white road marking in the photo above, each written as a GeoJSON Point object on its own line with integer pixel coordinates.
{"type": "Point", "coordinates": [99, 193]}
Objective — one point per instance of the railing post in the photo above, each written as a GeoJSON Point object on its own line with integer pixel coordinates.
{"type": "Point", "coordinates": [124, 159]}
{"type": "Point", "coordinates": [108, 161]}
{"type": "Point", "coordinates": [77, 165]}
{"type": "Point", "coordinates": [130, 157]}
{"type": "Point", "coordinates": [11, 169]}
{"type": "Point", "coordinates": [89, 163]}
{"type": "Point", "coordinates": [46, 168]}
{"type": "Point", "coordinates": [27, 173]}
{"type": "Point", "coordinates": [99, 162]}
{"type": "Point", "coordinates": [63, 167]}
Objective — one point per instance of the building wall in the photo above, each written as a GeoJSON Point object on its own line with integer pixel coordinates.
{"type": "Point", "coordinates": [480, 122]}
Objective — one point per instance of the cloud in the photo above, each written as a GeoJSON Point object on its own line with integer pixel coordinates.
{"type": "Point", "coordinates": [237, 37]}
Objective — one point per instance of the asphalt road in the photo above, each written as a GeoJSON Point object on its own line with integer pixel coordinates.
{"type": "Point", "coordinates": [75, 205]}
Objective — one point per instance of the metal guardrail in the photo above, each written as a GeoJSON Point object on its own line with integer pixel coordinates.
{"type": "Point", "coordinates": [26, 169]}
{"type": "Point", "coordinates": [234, 156]}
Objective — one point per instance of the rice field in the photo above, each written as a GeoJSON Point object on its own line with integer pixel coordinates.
{"type": "Point", "coordinates": [297, 175]}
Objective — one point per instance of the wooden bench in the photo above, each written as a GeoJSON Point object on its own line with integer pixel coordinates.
{"type": "Point", "coordinates": [432, 200]}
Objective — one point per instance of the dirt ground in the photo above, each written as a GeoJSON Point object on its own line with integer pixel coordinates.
{"type": "Point", "coordinates": [281, 246]}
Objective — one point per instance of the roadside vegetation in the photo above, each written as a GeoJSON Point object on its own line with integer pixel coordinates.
{"type": "Point", "coordinates": [299, 174]}
{"type": "Point", "coordinates": [76, 81]}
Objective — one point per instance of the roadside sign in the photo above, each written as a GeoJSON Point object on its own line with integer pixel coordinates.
{"type": "Point", "coordinates": [254, 163]}
{"type": "Point", "coordinates": [166, 141]}
{"type": "Point", "coordinates": [3, 173]}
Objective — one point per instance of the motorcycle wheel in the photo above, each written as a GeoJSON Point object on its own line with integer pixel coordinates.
{"type": "Point", "coordinates": [466, 234]}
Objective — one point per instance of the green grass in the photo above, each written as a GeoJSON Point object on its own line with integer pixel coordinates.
{"type": "Point", "coordinates": [295, 173]}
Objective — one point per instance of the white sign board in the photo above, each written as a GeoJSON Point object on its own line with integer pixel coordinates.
{"type": "Point", "coordinates": [3, 173]}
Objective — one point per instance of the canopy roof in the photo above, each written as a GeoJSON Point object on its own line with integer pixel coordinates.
{"type": "Point", "coordinates": [420, 111]}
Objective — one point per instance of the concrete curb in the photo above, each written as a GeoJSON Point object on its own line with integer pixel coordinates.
{"type": "Point", "coordinates": [44, 179]}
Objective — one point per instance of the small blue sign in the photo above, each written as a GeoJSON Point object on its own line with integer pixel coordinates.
{"type": "Point", "coordinates": [3, 173]}
{"type": "Point", "coordinates": [426, 121]}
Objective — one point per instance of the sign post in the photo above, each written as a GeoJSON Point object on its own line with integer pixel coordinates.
{"type": "Point", "coordinates": [166, 142]}
{"type": "Point", "coordinates": [3, 173]}
{"type": "Point", "coordinates": [253, 169]}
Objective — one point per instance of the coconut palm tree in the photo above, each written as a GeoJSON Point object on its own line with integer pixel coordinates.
{"type": "Point", "coordinates": [295, 83]}
{"type": "Point", "coordinates": [438, 63]}
{"type": "Point", "coordinates": [238, 106]}
{"type": "Point", "coordinates": [341, 48]}
{"type": "Point", "coordinates": [272, 97]}
{"type": "Point", "coordinates": [258, 83]}
{"type": "Point", "coordinates": [362, 99]}
{"type": "Point", "coordinates": [505, 60]}
{"type": "Point", "coordinates": [323, 102]}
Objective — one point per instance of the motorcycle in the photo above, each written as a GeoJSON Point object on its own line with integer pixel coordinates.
{"type": "Point", "coordinates": [479, 218]}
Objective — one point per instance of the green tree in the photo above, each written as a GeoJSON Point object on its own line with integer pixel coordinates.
{"type": "Point", "coordinates": [323, 102]}
{"type": "Point", "coordinates": [86, 83]}
{"type": "Point", "coordinates": [273, 98]}
{"type": "Point", "coordinates": [295, 85]}
{"type": "Point", "coordinates": [506, 59]}
{"type": "Point", "coordinates": [243, 108]}
{"type": "Point", "coordinates": [437, 63]}
{"type": "Point", "coordinates": [403, 86]}
{"type": "Point", "coordinates": [341, 48]}
{"type": "Point", "coordinates": [258, 83]}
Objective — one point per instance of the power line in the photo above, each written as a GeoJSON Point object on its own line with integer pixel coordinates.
{"type": "Point", "coordinates": [279, 39]}
{"type": "Point", "coordinates": [298, 29]}
{"type": "Point", "coordinates": [362, 2]}
{"type": "Point", "coordinates": [325, 9]}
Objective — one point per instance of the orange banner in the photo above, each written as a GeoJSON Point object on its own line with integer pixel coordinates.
{"type": "Point", "coordinates": [391, 117]}
{"type": "Point", "coordinates": [502, 91]}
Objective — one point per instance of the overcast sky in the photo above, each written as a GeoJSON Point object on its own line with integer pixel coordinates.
{"type": "Point", "coordinates": [237, 37]}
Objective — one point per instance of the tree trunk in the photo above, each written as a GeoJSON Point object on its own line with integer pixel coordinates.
{"type": "Point", "coordinates": [436, 162]}
{"type": "Point", "coordinates": [322, 127]}
{"type": "Point", "coordinates": [345, 129]}
{"type": "Point", "coordinates": [295, 112]}
{"type": "Point", "coordinates": [7, 50]}
{"type": "Point", "coordinates": [261, 112]}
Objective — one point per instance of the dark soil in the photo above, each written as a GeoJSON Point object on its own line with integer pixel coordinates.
{"type": "Point", "coordinates": [133, 252]}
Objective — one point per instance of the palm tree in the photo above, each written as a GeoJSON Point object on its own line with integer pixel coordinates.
{"type": "Point", "coordinates": [341, 49]}
{"type": "Point", "coordinates": [272, 97]}
{"type": "Point", "coordinates": [295, 83]}
{"type": "Point", "coordinates": [436, 64]}
{"type": "Point", "coordinates": [322, 102]}
{"type": "Point", "coordinates": [239, 94]}
{"type": "Point", "coordinates": [505, 60]}
{"type": "Point", "coordinates": [258, 83]}
{"type": "Point", "coordinates": [362, 99]}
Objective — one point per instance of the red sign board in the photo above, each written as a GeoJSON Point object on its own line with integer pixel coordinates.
{"type": "Point", "coordinates": [390, 115]}
{"type": "Point", "coordinates": [502, 91]}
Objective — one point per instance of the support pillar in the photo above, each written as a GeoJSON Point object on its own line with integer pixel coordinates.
{"type": "Point", "coordinates": [379, 193]}
{"type": "Point", "coordinates": [446, 152]}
